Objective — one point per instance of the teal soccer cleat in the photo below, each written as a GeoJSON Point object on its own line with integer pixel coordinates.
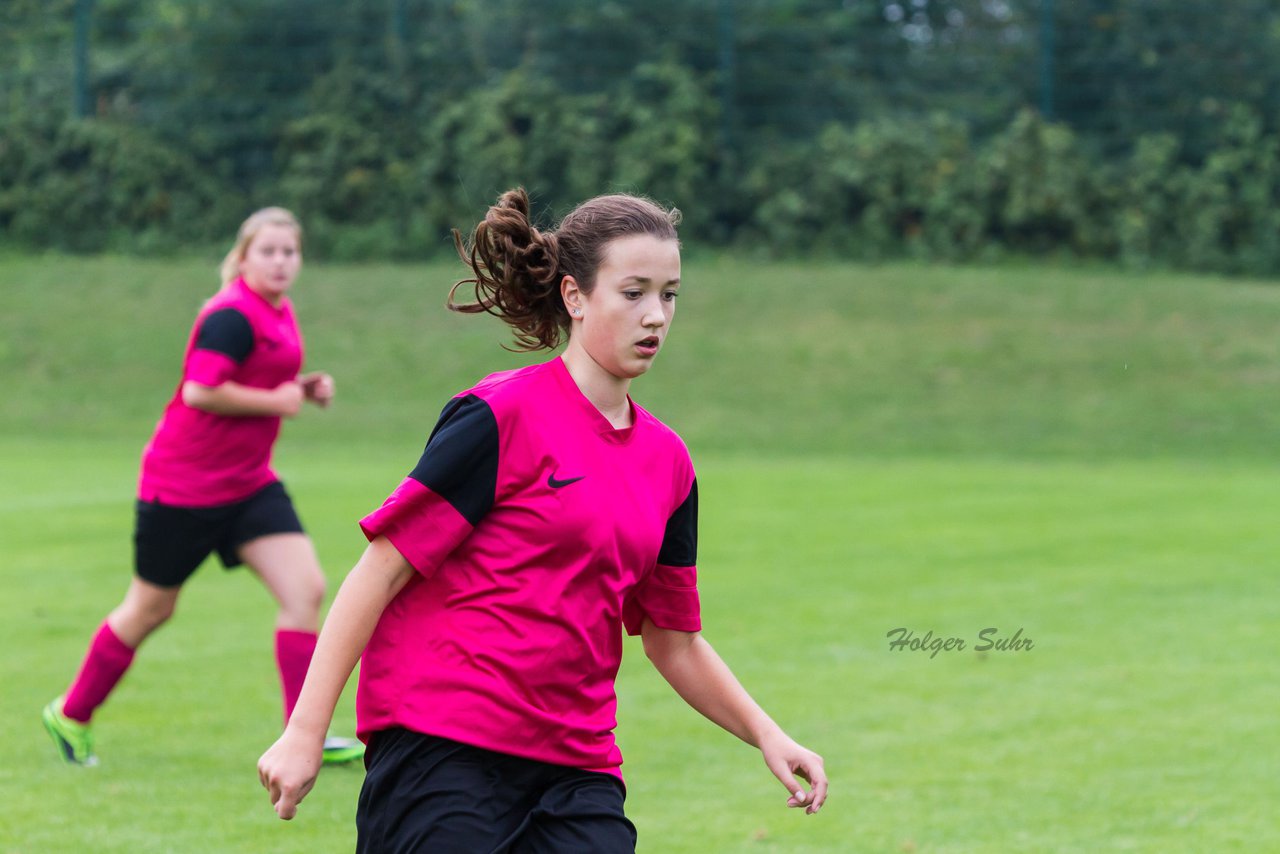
{"type": "Point", "coordinates": [339, 751]}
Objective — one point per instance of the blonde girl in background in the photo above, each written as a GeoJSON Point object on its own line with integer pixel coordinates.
{"type": "Point", "coordinates": [206, 483]}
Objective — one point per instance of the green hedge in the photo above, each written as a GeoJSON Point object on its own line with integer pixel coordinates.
{"type": "Point", "coordinates": [890, 187]}
{"type": "Point", "coordinates": [89, 186]}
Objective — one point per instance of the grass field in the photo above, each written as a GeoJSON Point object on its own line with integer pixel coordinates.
{"type": "Point", "coordinates": [1084, 457]}
{"type": "Point", "coordinates": [763, 359]}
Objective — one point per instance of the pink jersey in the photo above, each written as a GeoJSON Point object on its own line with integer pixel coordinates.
{"type": "Point", "coordinates": [199, 459]}
{"type": "Point", "coordinates": [538, 531]}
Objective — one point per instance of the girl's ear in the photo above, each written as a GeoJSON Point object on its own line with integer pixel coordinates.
{"type": "Point", "coordinates": [572, 296]}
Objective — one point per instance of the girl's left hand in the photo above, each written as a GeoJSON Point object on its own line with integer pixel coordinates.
{"type": "Point", "coordinates": [789, 760]}
{"type": "Point", "coordinates": [318, 388]}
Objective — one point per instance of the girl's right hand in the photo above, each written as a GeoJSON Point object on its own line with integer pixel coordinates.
{"type": "Point", "coordinates": [289, 397]}
{"type": "Point", "coordinates": [289, 769]}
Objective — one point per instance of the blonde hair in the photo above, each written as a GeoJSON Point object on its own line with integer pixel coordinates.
{"type": "Point", "coordinates": [248, 230]}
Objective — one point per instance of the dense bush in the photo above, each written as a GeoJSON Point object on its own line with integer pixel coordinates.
{"type": "Point", "coordinates": [1146, 211]}
{"type": "Point", "coordinates": [858, 129]}
{"type": "Point", "coordinates": [1229, 219]}
{"type": "Point", "coordinates": [887, 187]}
{"type": "Point", "coordinates": [923, 188]}
{"type": "Point", "coordinates": [364, 189]}
{"type": "Point", "coordinates": [1039, 187]}
{"type": "Point", "coordinates": [94, 185]}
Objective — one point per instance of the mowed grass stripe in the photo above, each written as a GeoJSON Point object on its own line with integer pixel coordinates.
{"type": "Point", "coordinates": [1142, 718]}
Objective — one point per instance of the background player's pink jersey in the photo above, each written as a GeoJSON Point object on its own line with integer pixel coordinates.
{"type": "Point", "coordinates": [538, 532]}
{"type": "Point", "coordinates": [199, 459]}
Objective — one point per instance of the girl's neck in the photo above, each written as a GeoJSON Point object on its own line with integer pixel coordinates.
{"type": "Point", "coordinates": [606, 392]}
{"type": "Point", "coordinates": [274, 299]}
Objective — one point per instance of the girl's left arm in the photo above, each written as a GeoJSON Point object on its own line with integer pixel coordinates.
{"type": "Point", "coordinates": [701, 677]}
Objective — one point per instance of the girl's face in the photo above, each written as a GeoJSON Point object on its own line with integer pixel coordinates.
{"type": "Point", "coordinates": [271, 261]}
{"type": "Point", "coordinates": [625, 318]}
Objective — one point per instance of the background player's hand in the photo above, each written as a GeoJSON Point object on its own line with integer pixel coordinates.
{"type": "Point", "coordinates": [288, 770]}
{"type": "Point", "coordinates": [318, 388]}
{"type": "Point", "coordinates": [289, 396]}
{"type": "Point", "coordinates": [788, 760]}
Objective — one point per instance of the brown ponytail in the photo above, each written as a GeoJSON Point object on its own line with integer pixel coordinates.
{"type": "Point", "coordinates": [517, 269]}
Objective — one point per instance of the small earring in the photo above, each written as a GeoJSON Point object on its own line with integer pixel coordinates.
{"type": "Point", "coordinates": [577, 311]}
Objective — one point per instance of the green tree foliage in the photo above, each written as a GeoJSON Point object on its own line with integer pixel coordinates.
{"type": "Point", "coordinates": [1126, 68]}
{"type": "Point", "coordinates": [95, 185]}
{"type": "Point", "coordinates": [35, 59]}
{"type": "Point", "coordinates": [866, 129]}
{"type": "Point", "coordinates": [1041, 189]}
{"type": "Point", "coordinates": [1231, 217]}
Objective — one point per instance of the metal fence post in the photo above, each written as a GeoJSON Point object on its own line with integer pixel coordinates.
{"type": "Point", "coordinates": [84, 19]}
{"type": "Point", "coordinates": [1046, 58]}
{"type": "Point", "coordinates": [727, 60]}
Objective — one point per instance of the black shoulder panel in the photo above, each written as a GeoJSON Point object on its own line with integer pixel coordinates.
{"type": "Point", "coordinates": [226, 331]}
{"type": "Point", "coordinates": [680, 542]}
{"type": "Point", "coordinates": [460, 462]}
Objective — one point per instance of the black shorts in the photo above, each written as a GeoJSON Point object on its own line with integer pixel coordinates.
{"type": "Point", "coordinates": [428, 794]}
{"type": "Point", "coordinates": [170, 543]}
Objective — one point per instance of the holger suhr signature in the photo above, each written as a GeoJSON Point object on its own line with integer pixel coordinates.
{"type": "Point", "coordinates": [904, 639]}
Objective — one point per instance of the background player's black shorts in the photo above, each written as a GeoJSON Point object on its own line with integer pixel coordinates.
{"type": "Point", "coordinates": [428, 794]}
{"type": "Point", "coordinates": [170, 543]}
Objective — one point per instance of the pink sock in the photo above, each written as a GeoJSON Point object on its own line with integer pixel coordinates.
{"type": "Point", "coordinates": [104, 665]}
{"type": "Point", "coordinates": [293, 656]}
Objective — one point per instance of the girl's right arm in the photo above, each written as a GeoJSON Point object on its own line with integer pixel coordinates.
{"type": "Point", "coordinates": [289, 767]}
{"type": "Point", "coordinates": [231, 398]}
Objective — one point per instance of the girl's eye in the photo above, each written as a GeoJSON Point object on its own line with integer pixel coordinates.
{"type": "Point", "coordinates": [631, 294]}
{"type": "Point", "coordinates": [670, 296]}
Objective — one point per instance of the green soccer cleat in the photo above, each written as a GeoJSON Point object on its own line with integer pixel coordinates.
{"type": "Point", "coordinates": [74, 740]}
{"type": "Point", "coordinates": [339, 751]}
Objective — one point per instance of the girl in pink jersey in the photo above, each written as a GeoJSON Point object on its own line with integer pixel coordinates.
{"type": "Point", "coordinates": [206, 482]}
{"type": "Point", "coordinates": [547, 515]}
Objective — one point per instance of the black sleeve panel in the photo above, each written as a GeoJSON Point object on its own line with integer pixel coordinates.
{"type": "Point", "coordinates": [460, 462]}
{"type": "Point", "coordinates": [226, 331]}
{"type": "Point", "coordinates": [680, 542]}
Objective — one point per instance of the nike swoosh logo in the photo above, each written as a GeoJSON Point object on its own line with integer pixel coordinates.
{"type": "Point", "coordinates": [554, 483]}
